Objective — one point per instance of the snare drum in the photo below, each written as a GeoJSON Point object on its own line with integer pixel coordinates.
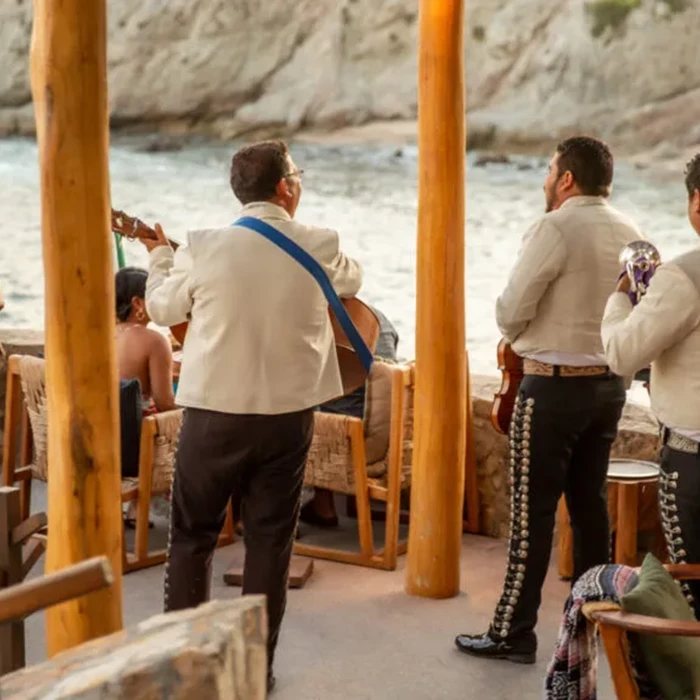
{"type": "Point", "coordinates": [632, 470]}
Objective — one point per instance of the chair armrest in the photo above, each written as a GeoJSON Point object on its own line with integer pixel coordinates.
{"type": "Point", "coordinates": [589, 609]}
{"type": "Point", "coordinates": [686, 572]}
{"type": "Point", "coordinates": [339, 420]}
{"type": "Point", "coordinates": [645, 624]}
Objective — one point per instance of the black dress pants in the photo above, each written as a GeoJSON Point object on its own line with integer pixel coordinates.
{"type": "Point", "coordinates": [561, 433]}
{"type": "Point", "coordinates": [263, 458]}
{"type": "Point", "coordinates": [679, 505]}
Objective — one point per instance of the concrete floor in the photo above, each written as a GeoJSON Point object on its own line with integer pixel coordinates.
{"type": "Point", "coordinates": [353, 633]}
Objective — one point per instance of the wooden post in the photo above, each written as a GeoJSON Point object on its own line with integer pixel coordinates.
{"type": "Point", "coordinates": [437, 489]}
{"type": "Point", "coordinates": [69, 86]}
{"type": "Point", "coordinates": [11, 572]}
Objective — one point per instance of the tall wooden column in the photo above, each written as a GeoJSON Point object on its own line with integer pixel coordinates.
{"type": "Point", "coordinates": [69, 86]}
{"type": "Point", "coordinates": [440, 410]}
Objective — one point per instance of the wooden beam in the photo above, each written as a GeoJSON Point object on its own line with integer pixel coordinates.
{"type": "Point", "coordinates": [437, 487]}
{"type": "Point", "coordinates": [40, 593]}
{"type": "Point", "coordinates": [69, 87]}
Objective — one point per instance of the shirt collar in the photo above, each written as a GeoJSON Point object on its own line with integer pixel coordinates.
{"type": "Point", "coordinates": [581, 200]}
{"type": "Point", "coordinates": [266, 210]}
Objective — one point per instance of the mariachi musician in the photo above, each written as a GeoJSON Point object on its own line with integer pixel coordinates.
{"type": "Point", "coordinates": [664, 328]}
{"type": "Point", "coordinates": [258, 357]}
{"type": "Point", "coordinates": [569, 402]}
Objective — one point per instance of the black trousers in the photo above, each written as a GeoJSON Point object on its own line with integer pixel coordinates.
{"type": "Point", "coordinates": [679, 505]}
{"type": "Point", "coordinates": [561, 433]}
{"type": "Point", "coordinates": [261, 457]}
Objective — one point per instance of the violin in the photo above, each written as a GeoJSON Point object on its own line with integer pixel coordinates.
{"type": "Point", "coordinates": [511, 366]}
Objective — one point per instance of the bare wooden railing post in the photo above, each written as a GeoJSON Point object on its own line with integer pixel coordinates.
{"type": "Point", "coordinates": [11, 633]}
{"type": "Point", "coordinates": [437, 488]}
{"type": "Point", "coordinates": [69, 86]}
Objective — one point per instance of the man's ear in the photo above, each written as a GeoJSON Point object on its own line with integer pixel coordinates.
{"type": "Point", "coordinates": [282, 189]}
{"type": "Point", "coordinates": [696, 201]}
{"type": "Point", "coordinates": [567, 180]}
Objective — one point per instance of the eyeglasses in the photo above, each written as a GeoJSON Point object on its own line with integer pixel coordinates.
{"type": "Point", "coordinates": [294, 173]}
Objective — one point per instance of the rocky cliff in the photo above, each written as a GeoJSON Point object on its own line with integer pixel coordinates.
{"type": "Point", "coordinates": [536, 69]}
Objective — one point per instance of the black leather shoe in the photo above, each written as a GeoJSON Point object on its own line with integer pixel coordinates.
{"type": "Point", "coordinates": [482, 645]}
{"type": "Point", "coordinates": [309, 516]}
{"type": "Point", "coordinates": [271, 681]}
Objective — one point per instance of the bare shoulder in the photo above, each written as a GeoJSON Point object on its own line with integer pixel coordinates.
{"type": "Point", "coordinates": [157, 342]}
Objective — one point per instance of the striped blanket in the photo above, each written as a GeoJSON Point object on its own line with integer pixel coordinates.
{"type": "Point", "coordinates": [573, 670]}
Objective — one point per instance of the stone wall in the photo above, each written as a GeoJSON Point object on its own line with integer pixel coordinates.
{"type": "Point", "coordinates": [215, 652]}
{"type": "Point", "coordinates": [638, 438]}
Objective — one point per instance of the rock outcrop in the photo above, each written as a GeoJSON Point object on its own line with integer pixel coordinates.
{"type": "Point", "coordinates": [536, 69]}
{"type": "Point", "coordinates": [216, 651]}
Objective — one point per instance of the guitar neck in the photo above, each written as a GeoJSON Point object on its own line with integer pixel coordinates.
{"type": "Point", "coordinates": [131, 227]}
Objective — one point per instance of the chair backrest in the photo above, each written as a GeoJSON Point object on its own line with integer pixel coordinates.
{"type": "Point", "coordinates": [130, 416]}
{"type": "Point", "coordinates": [164, 430]}
{"type": "Point", "coordinates": [378, 411]}
{"type": "Point", "coordinates": [32, 375]}
{"type": "Point", "coordinates": [165, 426]}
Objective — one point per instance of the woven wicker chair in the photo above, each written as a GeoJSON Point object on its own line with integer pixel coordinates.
{"type": "Point", "coordinates": [614, 624]}
{"type": "Point", "coordinates": [159, 435]}
{"type": "Point", "coordinates": [341, 459]}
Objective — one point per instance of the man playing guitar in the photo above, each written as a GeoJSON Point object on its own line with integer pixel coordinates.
{"type": "Point", "coordinates": [259, 355]}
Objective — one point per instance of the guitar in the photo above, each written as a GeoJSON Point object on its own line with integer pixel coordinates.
{"type": "Point", "coordinates": [352, 371]}
{"type": "Point", "coordinates": [511, 366]}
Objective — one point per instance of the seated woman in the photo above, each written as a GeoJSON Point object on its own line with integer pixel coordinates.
{"type": "Point", "coordinates": [142, 353]}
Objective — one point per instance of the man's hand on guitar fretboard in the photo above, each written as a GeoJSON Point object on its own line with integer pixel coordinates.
{"type": "Point", "coordinates": [159, 241]}
{"type": "Point", "coordinates": [130, 227]}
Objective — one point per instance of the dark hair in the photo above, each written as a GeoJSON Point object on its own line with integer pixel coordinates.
{"type": "Point", "coordinates": [692, 174]}
{"type": "Point", "coordinates": [256, 170]}
{"type": "Point", "coordinates": [130, 282]}
{"type": "Point", "coordinates": [590, 162]}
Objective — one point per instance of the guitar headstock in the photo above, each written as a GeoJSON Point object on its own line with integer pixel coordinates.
{"type": "Point", "coordinates": [129, 226]}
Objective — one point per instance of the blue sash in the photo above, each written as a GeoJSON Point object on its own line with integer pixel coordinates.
{"type": "Point", "coordinates": [319, 274]}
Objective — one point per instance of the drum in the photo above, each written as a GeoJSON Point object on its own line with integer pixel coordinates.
{"type": "Point", "coordinates": [632, 470]}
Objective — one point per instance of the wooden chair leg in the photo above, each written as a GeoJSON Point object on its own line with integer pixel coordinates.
{"type": "Point", "coordinates": [364, 515]}
{"type": "Point", "coordinates": [25, 496]}
{"type": "Point", "coordinates": [565, 548]}
{"type": "Point", "coordinates": [617, 652]}
{"type": "Point", "coordinates": [25, 455]}
{"type": "Point", "coordinates": [627, 515]}
{"type": "Point", "coordinates": [228, 532]}
{"type": "Point", "coordinates": [143, 500]}
{"type": "Point", "coordinates": [393, 502]}
{"type": "Point", "coordinates": [12, 424]}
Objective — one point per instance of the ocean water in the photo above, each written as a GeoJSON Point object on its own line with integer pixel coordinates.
{"type": "Point", "coordinates": [367, 193]}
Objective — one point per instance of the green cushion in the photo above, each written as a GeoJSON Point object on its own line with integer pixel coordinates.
{"type": "Point", "coordinates": [673, 662]}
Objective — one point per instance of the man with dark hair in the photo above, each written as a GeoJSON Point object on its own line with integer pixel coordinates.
{"type": "Point", "coordinates": [569, 402]}
{"type": "Point", "coordinates": [664, 329]}
{"type": "Point", "coordinates": [258, 357]}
